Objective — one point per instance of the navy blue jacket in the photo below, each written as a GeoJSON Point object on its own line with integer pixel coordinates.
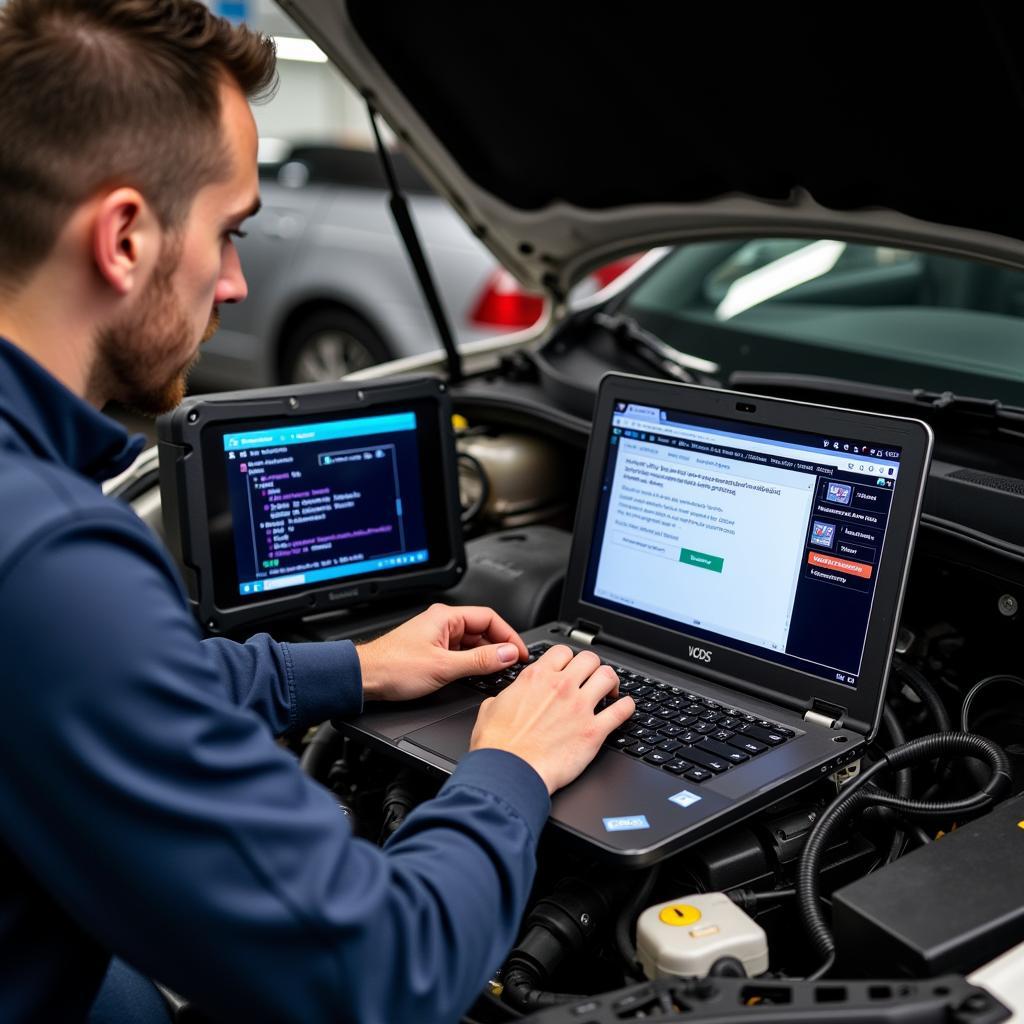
{"type": "Point", "coordinates": [146, 809]}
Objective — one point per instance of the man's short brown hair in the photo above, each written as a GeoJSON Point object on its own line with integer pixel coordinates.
{"type": "Point", "coordinates": [97, 93]}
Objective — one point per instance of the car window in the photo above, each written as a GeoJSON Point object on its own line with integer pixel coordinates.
{"type": "Point", "coordinates": [845, 309]}
{"type": "Point", "coordinates": [783, 263]}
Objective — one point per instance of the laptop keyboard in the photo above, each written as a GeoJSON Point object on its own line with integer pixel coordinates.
{"type": "Point", "coordinates": [673, 728]}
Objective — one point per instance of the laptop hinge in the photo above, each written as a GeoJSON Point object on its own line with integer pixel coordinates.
{"type": "Point", "coordinates": [823, 713]}
{"type": "Point", "coordinates": [584, 632]}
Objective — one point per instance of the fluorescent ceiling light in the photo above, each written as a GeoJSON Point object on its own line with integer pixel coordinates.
{"type": "Point", "coordinates": [292, 48]}
{"type": "Point", "coordinates": [272, 150]}
{"type": "Point", "coordinates": [779, 276]}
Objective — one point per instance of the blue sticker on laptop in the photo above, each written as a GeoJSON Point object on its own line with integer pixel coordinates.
{"type": "Point", "coordinates": [629, 824]}
{"type": "Point", "coordinates": [685, 798]}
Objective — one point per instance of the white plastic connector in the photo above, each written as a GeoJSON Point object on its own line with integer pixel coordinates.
{"type": "Point", "coordinates": [846, 774]}
{"type": "Point", "coordinates": [684, 937]}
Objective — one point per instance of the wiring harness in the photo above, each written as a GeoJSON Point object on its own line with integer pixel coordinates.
{"type": "Point", "coordinates": [864, 792]}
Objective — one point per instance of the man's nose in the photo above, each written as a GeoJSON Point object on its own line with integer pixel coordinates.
{"type": "Point", "coordinates": [232, 286]}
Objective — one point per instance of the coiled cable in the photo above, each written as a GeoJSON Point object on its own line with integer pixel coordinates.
{"type": "Point", "coordinates": [862, 793]}
{"type": "Point", "coordinates": [903, 779]}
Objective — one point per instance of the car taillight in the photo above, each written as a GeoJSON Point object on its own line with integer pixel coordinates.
{"type": "Point", "coordinates": [505, 303]}
{"type": "Point", "coordinates": [604, 276]}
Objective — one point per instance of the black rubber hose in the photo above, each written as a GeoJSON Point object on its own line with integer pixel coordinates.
{"type": "Point", "coordinates": [748, 899]}
{"type": "Point", "coordinates": [898, 738]}
{"type": "Point", "coordinates": [845, 807]}
{"type": "Point", "coordinates": [950, 744]}
{"type": "Point", "coordinates": [399, 800]}
{"type": "Point", "coordinates": [560, 925]}
{"type": "Point", "coordinates": [904, 782]}
{"type": "Point", "coordinates": [627, 919]}
{"type": "Point", "coordinates": [912, 829]}
{"type": "Point", "coordinates": [727, 967]}
{"type": "Point", "coordinates": [926, 693]}
{"type": "Point", "coordinates": [975, 770]}
{"type": "Point", "coordinates": [965, 711]}
{"type": "Point", "coordinates": [321, 752]}
{"type": "Point", "coordinates": [930, 699]}
{"type": "Point", "coordinates": [520, 989]}
{"type": "Point", "coordinates": [859, 795]}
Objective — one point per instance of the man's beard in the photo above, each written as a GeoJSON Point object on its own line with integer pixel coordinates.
{"type": "Point", "coordinates": [133, 355]}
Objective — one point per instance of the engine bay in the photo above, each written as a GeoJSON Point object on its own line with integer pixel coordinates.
{"type": "Point", "coordinates": [587, 949]}
{"type": "Point", "coordinates": [769, 896]}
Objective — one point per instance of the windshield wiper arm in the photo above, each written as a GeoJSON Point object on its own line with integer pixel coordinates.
{"type": "Point", "coordinates": [963, 403]}
{"type": "Point", "coordinates": [988, 413]}
{"type": "Point", "coordinates": [651, 349]}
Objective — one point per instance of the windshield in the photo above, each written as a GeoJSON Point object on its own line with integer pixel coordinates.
{"type": "Point", "coordinates": [840, 309]}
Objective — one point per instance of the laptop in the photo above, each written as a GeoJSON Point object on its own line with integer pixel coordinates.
{"type": "Point", "coordinates": [740, 561]}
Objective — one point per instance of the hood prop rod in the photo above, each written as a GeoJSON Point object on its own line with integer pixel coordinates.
{"type": "Point", "coordinates": [406, 228]}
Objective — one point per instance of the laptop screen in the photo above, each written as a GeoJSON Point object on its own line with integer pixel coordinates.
{"type": "Point", "coordinates": [764, 540]}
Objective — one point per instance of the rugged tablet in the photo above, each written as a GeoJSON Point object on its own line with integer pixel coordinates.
{"type": "Point", "coordinates": [300, 500]}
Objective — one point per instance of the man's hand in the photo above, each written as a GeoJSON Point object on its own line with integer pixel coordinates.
{"type": "Point", "coordinates": [437, 646]}
{"type": "Point", "coordinates": [547, 717]}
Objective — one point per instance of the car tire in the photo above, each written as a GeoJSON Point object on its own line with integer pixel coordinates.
{"type": "Point", "coordinates": [328, 344]}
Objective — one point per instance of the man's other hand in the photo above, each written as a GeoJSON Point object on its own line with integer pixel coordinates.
{"type": "Point", "coordinates": [437, 646]}
{"type": "Point", "coordinates": [547, 716]}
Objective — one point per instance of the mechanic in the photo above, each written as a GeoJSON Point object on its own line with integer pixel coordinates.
{"type": "Point", "coordinates": [146, 809]}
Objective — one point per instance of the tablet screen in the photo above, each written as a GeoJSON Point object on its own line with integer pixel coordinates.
{"type": "Point", "coordinates": [302, 503]}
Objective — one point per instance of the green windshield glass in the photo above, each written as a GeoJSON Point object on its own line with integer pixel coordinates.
{"type": "Point", "coordinates": [831, 308]}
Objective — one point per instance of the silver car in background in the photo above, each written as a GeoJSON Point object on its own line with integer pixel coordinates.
{"type": "Point", "coordinates": [331, 289]}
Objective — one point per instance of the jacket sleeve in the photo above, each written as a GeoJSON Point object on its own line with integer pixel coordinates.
{"type": "Point", "coordinates": [167, 822]}
{"type": "Point", "coordinates": [290, 686]}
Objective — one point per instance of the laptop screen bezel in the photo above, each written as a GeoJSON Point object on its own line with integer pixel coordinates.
{"type": "Point", "coordinates": [768, 680]}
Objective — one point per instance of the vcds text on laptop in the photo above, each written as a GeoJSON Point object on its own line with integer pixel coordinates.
{"type": "Point", "coordinates": [740, 561]}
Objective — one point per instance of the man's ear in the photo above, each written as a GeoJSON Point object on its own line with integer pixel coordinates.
{"type": "Point", "coordinates": [125, 239]}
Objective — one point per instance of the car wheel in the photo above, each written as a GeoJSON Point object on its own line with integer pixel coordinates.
{"type": "Point", "coordinates": [328, 345]}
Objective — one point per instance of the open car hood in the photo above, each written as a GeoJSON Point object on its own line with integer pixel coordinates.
{"type": "Point", "coordinates": [568, 134]}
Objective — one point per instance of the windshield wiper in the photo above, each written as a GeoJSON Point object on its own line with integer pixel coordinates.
{"type": "Point", "coordinates": [945, 407]}
{"type": "Point", "coordinates": [986, 407]}
{"type": "Point", "coordinates": [630, 336]}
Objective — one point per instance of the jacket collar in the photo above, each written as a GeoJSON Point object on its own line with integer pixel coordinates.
{"type": "Point", "coordinates": [56, 424]}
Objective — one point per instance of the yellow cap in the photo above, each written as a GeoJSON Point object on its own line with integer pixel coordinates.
{"type": "Point", "coordinates": [679, 914]}
{"type": "Point", "coordinates": [459, 422]}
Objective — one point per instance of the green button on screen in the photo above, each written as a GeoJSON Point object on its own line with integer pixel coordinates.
{"type": "Point", "coordinates": [701, 560]}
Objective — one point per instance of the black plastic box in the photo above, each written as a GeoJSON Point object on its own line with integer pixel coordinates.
{"type": "Point", "coordinates": [950, 906]}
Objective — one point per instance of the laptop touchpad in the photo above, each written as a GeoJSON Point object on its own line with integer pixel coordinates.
{"type": "Point", "coordinates": [449, 737]}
